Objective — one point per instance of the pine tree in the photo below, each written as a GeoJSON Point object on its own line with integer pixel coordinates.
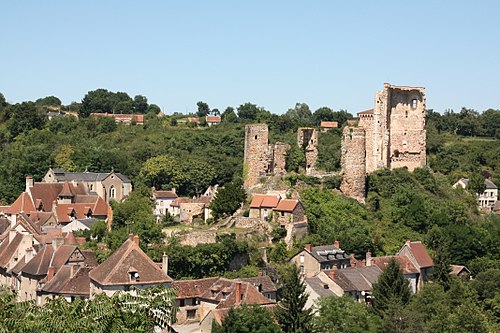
{"type": "Point", "coordinates": [391, 289]}
{"type": "Point", "coordinates": [290, 312]}
{"type": "Point", "coordinates": [442, 268]}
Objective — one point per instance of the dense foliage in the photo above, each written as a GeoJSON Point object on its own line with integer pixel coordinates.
{"type": "Point", "coordinates": [247, 319]}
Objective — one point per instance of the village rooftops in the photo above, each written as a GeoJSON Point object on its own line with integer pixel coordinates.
{"type": "Point", "coordinates": [329, 124]}
{"type": "Point", "coordinates": [63, 176]}
{"type": "Point", "coordinates": [403, 261]}
{"type": "Point", "coordinates": [419, 253]}
{"type": "Point", "coordinates": [287, 205]}
{"type": "Point", "coordinates": [355, 278]}
{"type": "Point", "coordinates": [213, 119]}
{"type": "Point", "coordinates": [327, 253]}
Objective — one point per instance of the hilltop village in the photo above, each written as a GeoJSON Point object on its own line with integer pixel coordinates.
{"type": "Point", "coordinates": [232, 216]}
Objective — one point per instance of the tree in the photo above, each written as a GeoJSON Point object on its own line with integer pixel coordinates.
{"type": "Point", "coordinates": [229, 115]}
{"type": "Point", "coordinates": [153, 108]}
{"type": "Point", "coordinates": [392, 289]}
{"type": "Point", "coordinates": [203, 109]}
{"type": "Point", "coordinates": [228, 199]}
{"type": "Point", "coordinates": [248, 111]}
{"type": "Point", "coordinates": [247, 319]}
{"type": "Point", "coordinates": [48, 101]}
{"type": "Point", "coordinates": [24, 117]}
{"type": "Point", "coordinates": [476, 183]}
{"type": "Point", "coordinates": [343, 314]}
{"type": "Point", "coordinates": [442, 266]}
{"type": "Point", "coordinates": [162, 171]}
{"type": "Point", "coordinates": [291, 313]}
{"type": "Point", "coordinates": [140, 104]}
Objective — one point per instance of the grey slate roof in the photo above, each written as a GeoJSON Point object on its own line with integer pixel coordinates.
{"type": "Point", "coordinates": [355, 279]}
{"type": "Point", "coordinates": [319, 287]}
{"type": "Point", "coordinates": [328, 253]}
{"type": "Point", "coordinates": [63, 176]}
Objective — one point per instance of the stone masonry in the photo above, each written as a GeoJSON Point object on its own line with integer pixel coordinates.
{"type": "Point", "coordinates": [307, 138]}
{"type": "Point", "coordinates": [395, 129]}
{"type": "Point", "coordinates": [353, 163]}
{"type": "Point", "coordinates": [262, 158]}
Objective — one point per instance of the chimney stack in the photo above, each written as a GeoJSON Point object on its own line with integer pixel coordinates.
{"type": "Point", "coordinates": [337, 244]}
{"type": "Point", "coordinates": [308, 247]}
{"type": "Point", "coordinates": [50, 273]}
{"type": "Point", "coordinates": [57, 242]}
{"type": "Point", "coordinates": [29, 183]}
{"type": "Point", "coordinates": [408, 242]}
{"type": "Point", "coordinates": [12, 234]}
{"type": "Point", "coordinates": [135, 238]}
{"type": "Point", "coordinates": [164, 263]}
{"type": "Point", "coordinates": [29, 254]}
{"type": "Point", "coordinates": [368, 258]}
{"type": "Point", "coordinates": [238, 293]}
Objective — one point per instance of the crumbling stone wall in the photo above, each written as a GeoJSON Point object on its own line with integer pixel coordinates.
{"type": "Point", "coordinates": [256, 153]}
{"type": "Point", "coordinates": [396, 130]}
{"type": "Point", "coordinates": [261, 158]}
{"type": "Point", "coordinates": [279, 150]}
{"type": "Point", "coordinates": [353, 162]}
{"type": "Point", "coordinates": [307, 138]}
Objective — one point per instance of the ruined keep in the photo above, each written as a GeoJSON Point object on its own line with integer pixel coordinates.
{"type": "Point", "coordinates": [260, 157]}
{"type": "Point", "coordinates": [307, 139]}
{"type": "Point", "coordinates": [353, 162]}
{"type": "Point", "coordinates": [395, 129]}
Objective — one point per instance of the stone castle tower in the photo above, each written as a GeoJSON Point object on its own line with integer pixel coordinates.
{"type": "Point", "coordinates": [391, 135]}
{"type": "Point", "coordinates": [395, 129]}
{"type": "Point", "coordinates": [353, 162]}
{"type": "Point", "coordinates": [260, 157]}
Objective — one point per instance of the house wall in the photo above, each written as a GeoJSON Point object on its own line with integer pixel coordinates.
{"type": "Point", "coordinates": [190, 210]}
{"type": "Point", "coordinates": [308, 266]}
{"type": "Point", "coordinates": [28, 287]}
{"type": "Point", "coordinates": [113, 181]}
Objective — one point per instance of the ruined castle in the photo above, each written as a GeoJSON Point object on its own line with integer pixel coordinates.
{"type": "Point", "coordinates": [391, 135]}
{"type": "Point", "coordinates": [260, 157]}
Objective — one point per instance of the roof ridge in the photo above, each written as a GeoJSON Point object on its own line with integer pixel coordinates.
{"type": "Point", "coordinates": [120, 260]}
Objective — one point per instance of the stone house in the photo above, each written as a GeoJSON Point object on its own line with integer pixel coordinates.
{"type": "Point", "coordinates": [328, 125]}
{"type": "Point", "coordinates": [205, 300]}
{"type": "Point", "coordinates": [289, 211]}
{"type": "Point", "coordinates": [111, 185]}
{"type": "Point", "coordinates": [486, 201]}
{"type": "Point", "coordinates": [128, 267]}
{"type": "Point", "coordinates": [410, 272]}
{"type": "Point", "coordinates": [185, 210]}
{"type": "Point", "coordinates": [163, 200]}
{"type": "Point", "coordinates": [460, 271]}
{"type": "Point", "coordinates": [12, 251]}
{"type": "Point", "coordinates": [263, 205]}
{"type": "Point", "coordinates": [312, 260]}
{"type": "Point", "coordinates": [121, 118]}
{"type": "Point", "coordinates": [264, 284]}
{"type": "Point", "coordinates": [356, 282]}
{"type": "Point", "coordinates": [416, 252]}
{"type": "Point", "coordinates": [212, 120]}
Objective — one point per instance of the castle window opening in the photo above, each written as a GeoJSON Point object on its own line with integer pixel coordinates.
{"type": "Point", "coordinates": [255, 137]}
{"type": "Point", "coordinates": [406, 114]}
{"type": "Point", "coordinates": [396, 153]}
{"type": "Point", "coordinates": [414, 103]}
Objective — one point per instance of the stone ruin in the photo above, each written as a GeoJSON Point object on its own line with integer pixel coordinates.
{"type": "Point", "coordinates": [260, 157]}
{"type": "Point", "coordinates": [392, 136]}
{"type": "Point", "coordinates": [307, 139]}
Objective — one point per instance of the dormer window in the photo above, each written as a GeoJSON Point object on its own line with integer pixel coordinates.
{"type": "Point", "coordinates": [224, 296]}
{"type": "Point", "coordinates": [133, 274]}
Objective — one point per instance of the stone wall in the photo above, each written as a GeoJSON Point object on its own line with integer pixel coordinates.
{"type": "Point", "coordinates": [197, 237]}
{"type": "Point", "coordinates": [353, 162]}
{"type": "Point", "coordinates": [279, 158]}
{"type": "Point", "coordinates": [256, 153]}
{"type": "Point", "coordinates": [307, 138]}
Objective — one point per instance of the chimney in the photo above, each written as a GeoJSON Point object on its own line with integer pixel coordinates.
{"type": "Point", "coordinates": [308, 247]}
{"type": "Point", "coordinates": [50, 273]}
{"type": "Point", "coordinates": [135, 238]}
{"type": "Point", "coordinates": [12, 234]}
{"type": "Point", "coordinates": [164, 263]}
{"type": "Point", "coordinates": [368, 258]}
{"type": "Point", "coordinates": [29, 183]}
{"type": "Point", "coordinates": [29, 254]}
{"type": "Point", "coordinates": [337, 244]}
{"type": "Point", "coordinates": [57, 242]}
{"type": "Point", "coordinates": [352, 260]}
{"type": "Point", "coordinates": [408, 242]}
{"type": "Point", "coordinates": [174, 190]}
{"type": "Point", "coordinates": [238, 293]}
{"type": "Point", "coordinates": [259, 274]}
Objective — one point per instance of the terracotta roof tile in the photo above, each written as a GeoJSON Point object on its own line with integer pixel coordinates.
{"type": "Point", "coordinates": [404, 262]}
{"type": "Point", "coordinates": [370, 111]}
{"type": "Point", "coordinates": [264, 282]}
{"type": "Point", "coordinates": [287, 205]}
{"type": "Point", "coordinates": [68, 282]}
{"type": "Point", "coordinates": [329, 124]}
{"type": "Point", "coordinates": [212, 119]}
{"type": "Point", "coordinates": [10, 250]}
{"type": "Point", "coordinates": [420, 254]}
{"type": "Point", "coordinates": [39, 265]}
{"type": "Point", "coordinates": [164, 194]}
{"type": "Point", "coordinates": [267, 201]}
{"type": "Point", "coordinates": [192, 288]}
{"type": "Point", "coordinates": [23, 203]}
{"type": "Point", "coordinates": [115, 270]}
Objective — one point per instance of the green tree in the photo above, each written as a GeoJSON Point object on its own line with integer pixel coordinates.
{"type": "Point", "coordinates": [203, 109]}
{"type": "Point", "coordinates": [344, 314]}
{"type": "Point", "coordinates": [247, 319]}
{"type": "Point", "coordinates": [48, 101]}
{"type": "Point", "coordinates": [392, 289]}
{"type": "Point", "coordinates": [476, 184]}
{"type": "Point", "coordinates": [248, 111]}
{"type": "Point", "coordinates": [24, 117]}
{"type": "Point", "coordinates": [442, 267]}
{"type": "Point", "coordinates": [291, 313]}
{"type": "Point", "coordinates": [140, 104]}
{"type": "Point", "coordinates": [162, 171]}
{"type": "Point", "coordinates": [228, 199]}
{"type": "Point", "coordinates": [153, 108]}
{"type": "Point", "coordinates": [229, 115]}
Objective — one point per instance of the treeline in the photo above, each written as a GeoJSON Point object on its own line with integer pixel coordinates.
{"type": "Point", "coordinates": [467, 122]}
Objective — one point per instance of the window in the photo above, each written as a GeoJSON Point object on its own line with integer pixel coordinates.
{"type": "Point", "coordinates": [191, 314]}
{"type": "Point", "coordinates": [414, 103]}
{"type": "Point", "coordinates": [182, 302]}
{"type": "Point", "coordinates": [302, 259]}
{"type": "Point", "coordinates": [255, 137]}
{"type": "Point", "coordinates": [282, 214]}
{"type": "Point", "coordinates": [302, 269]}
{"type": "Point", "coordinates": [112, 192]}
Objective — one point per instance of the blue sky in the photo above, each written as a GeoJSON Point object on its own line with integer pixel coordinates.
{"type": "Point", "coordinates": [271, 53]}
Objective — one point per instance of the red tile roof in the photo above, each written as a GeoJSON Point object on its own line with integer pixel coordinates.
{"type": "Point", "coordinates": [192, 288]}
{"type": "Point", "coordinates": [116, 269]}
{"type": "Point", "coordinates": [23, 203]}
{"type": "Point", "coordinates": [164, 194]}
{"type": "Point", "coordinates": [212, 119]}
{"type": "Point", "coordinates": [370, 111]}
{"type": "Point", "coordinates": [420, 254]}
{"type": "Point", "coordinates": [267, 201]}
{"type": "Point", "coordinates": [329, 124]}
{"type": "Point", "coordinates": [39, 265]}
{"type": "Point", "coordinates": [404, 262]}
{"type": "Point", "coordinates": [287, 205]}
{"type": "Point", "coordinates": [68, 282]}
{"type": "Point", "coordinates": [10, 250]}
